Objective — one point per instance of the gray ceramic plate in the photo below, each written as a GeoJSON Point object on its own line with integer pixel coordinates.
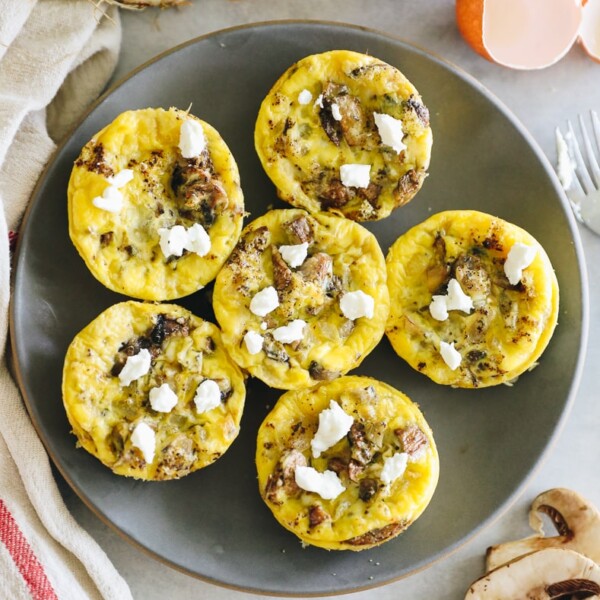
{"type": "Point", "coordinates": [213, 523]}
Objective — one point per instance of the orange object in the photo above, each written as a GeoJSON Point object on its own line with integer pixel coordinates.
{"type": "Point", "coordinates": [523, 34]}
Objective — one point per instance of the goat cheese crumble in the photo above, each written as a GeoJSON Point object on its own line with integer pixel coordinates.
{"type": "Point", "coordinates": [390, 131]}
{"type": "Point", "coordinates": [294, 255]}
{"type": "Point", "coordinates": [144, 438]}
{"type": "Point", "coordinates": [264, 302]}
{"type": "Point", "coordinates": [191, 138]}
{"type": "Point", "coordinates": [163, 398]}
{"type": "Point", "coordinates": [254, 342]}
{"type": "Point", "coordinates": [455, 299]}
{"type": "Point", "coordinates": [450, 355]}
{"type": "Point", "coordinates": [355, 175]}
{"type": "Point", "coordinates": [334, 424]}
{"type": "Point", "coordinates": [326, 484]}
{"type": "Point", "coordinates": [357, 304]}
{"type": "Point", "coordinates": [208, 396]}
{"type": "Point", "coordinates": [135, 366]}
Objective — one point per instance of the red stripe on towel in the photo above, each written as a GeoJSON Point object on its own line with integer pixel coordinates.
{"type": "Point", "coordinates": [26, 561]}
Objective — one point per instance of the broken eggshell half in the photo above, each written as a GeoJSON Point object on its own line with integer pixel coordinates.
{"type": "Point", "coordinates": [544, 575]}
{"type": "Point", "coordinates": [589, 33]}
{"type": "Point", "coordinates": [521, 34]}
{"type": "Point", "coordinates": [576, 520]}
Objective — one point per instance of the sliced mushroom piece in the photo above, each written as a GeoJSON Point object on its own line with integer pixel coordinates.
{"type": "Point", "coordinates": [438, 271]}
{"type": "Point", "coordinates": [474, 280]}
{"type": "Point", "coordinates": [318, 268]}
{"type": "Point", "coordinates": [576, 520]}
{"type": "Point", "coordinates": [548, 574]}
{"type": "Point", "coordinates": [319, 373]}
{"type": "Point", "coordinates": [282, 482]}
{"type": "Point", "coordinates": [199, 193]}
{"type": "Point", "coordinates": [282, 274]}
{"type": "Point", "coordinates": [299, 230]}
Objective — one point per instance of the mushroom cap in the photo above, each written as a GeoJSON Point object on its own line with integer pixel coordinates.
{"type": "Point", "coordinates": [577, 522]}
{"type": "Point", "coordinates": [544, 575]}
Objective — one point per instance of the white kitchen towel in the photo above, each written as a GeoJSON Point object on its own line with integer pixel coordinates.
{"type": "Point", "coordinates": [56, 56]}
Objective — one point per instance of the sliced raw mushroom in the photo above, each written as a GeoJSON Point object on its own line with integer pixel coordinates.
{"type": "Point", "coordinates": [577, 522]}
{"type": "Point", "coordinates": [544, 575]}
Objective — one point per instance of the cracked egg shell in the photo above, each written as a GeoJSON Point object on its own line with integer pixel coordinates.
{"type": "Point", "coordinates": [342, 256]}
{"type": "Point", "coordinates": [521, 34]}
{"type": "Point", "coordinates": [367, 512]}
{"type": "Point", "coordinates": [122, 248]}
{"type": "Point", "coordinates": [320, 115]}
{"type": "Point", "coordinates": [589, 34]}
{"type": "Point", "coordinates": [185, 351]}
{"type": "Point", "coordinates": [509, 326]}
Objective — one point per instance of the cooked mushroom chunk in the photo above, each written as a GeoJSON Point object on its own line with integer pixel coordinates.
{"type": "Point", "coordinates": [548, 574]}
{"type": "Point", "coordinates": [576, 520]}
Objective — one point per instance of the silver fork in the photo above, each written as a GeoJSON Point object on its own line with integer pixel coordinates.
{"type": "Point", "coordinates": [580, 182]}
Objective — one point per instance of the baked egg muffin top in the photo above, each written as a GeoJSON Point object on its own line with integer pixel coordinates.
{"type": "Point", "coordinates": [155, 204]}
{"type": "Point", "coordinates": [344, 132]}
{"type": "Point", "coordinates": [302, 298]}
{"type": "Point", "coordinates": [347, 465]}
{"type": "Point", "coordinates": [474, 299]}
{"type": "Point", "coordinates": [150, 391]}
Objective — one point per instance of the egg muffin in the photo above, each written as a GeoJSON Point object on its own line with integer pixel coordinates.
{"type": "Point", "coordinates": [474, 299]}
{"type": "Point", "coordinates": [155, 204]}
{"type": "Point", "coordinates": [347, 465]}
{"type": "Point", "coordinates": [150, 391]}
{"type": "Point", "coordinates": [303, 298]}
{"type": "Point", "coordinates": [344, 132]}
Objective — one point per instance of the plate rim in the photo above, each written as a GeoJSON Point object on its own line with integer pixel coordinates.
{"type": "Point", "coordinates": [473, 82]}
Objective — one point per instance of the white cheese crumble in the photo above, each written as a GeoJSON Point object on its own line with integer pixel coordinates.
{"type": "Point", "coordinates": [144, 438]}
{"type": "Point", "coordinates": [565, 165]}
{"type": "Point", "coordinates": [292, 332]}
{"type": "Point", "coordinates": [264, 302]}
{"type": "Point", "coordinates": [120, 179]}
{"type": "Point", "coordinates": [390, 131]}
{"type": "Point", "coordinates": [335, 112]}
{"type": "Point", "coordinates": [438, 307]}
{"type": "Point", "coordinates": [111, 200]}
{"type": "Point", "coordinates": [450, 355]}
{"type": "Point", "coordinates": [319, 101]}
{"type": "Point", "coordinates": [304, 97]}
{"type": "Point", "coordinates": [354, 175]}
{"type": "Point", "coordinates": [135, 367]}
{"type": "Point", "coordinates": [334, 424]}
{"type": "Point", "coordinates": [294, 255]}
{"type": "Point", "coordinates": [163, 398]}
{"type": "Point", "coordinates": [326, 484]}
{"type": "Point", "coordinates": [254, 342]}
{"type": "Point", "coordinates": [198, 241]}
{"type": "Point", "coordinates": [455, 299]}
{"type": "Point", "coordinates": [208, 396]}
{"type": "Point", "coordinates": [175, 240]}
{"type": "Point", "coordinates": [191, 138]}
{"type": "Point", "coordinates": [394, 467]}
{"type": "Point", "coordinates": [520, 256]}
{"type": "Point", "coordinates": [357, 304]}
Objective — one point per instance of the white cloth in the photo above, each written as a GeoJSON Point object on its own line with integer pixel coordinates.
{"type": "Point", "coordinates": [55, 58]}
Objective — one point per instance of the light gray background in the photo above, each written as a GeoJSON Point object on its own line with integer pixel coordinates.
{"type": "Point", "coordinates": [541, 100]}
